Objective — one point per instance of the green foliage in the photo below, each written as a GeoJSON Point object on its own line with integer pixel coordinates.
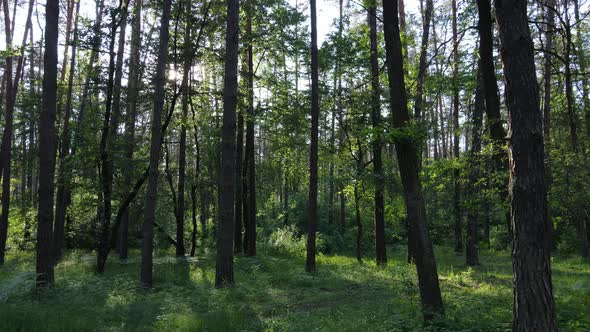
{"type": "Point", "coordinates": [273, 293]}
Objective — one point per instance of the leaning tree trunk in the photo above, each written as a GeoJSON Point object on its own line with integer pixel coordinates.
{"type": "Point", "coordinates": [407, 155]}
{"type": "Point", "coordinates": [533, 308]}
{"type": "Point", "coordinates": [224, 267]}
{"type": "Point", "coordinates": [47, 146]}
{"type": "Point", "coordinates": [380, 250]}
{"type": "Point", "coordinates": [151, 195]}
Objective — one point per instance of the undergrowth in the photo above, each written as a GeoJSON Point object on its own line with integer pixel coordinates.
{"type": "Point", "coordinates": [273, 293]}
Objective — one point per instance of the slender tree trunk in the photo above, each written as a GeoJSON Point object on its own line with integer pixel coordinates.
{"type": "Point", "coordinates": [407, 155]}
{"type": "Point", "coordinates": [473, 215]}
{"type": "Point", "coordinates": [105, 163]}
{"type": "Point", "coordinates": [6, 147]}
{"type": "Point", "coordinates": [313, 150]}
{"type": "Point", "coordinates": [186, 93]}
{"type": "Point", "coordinates": [456, 137]}
{"type": "Point", "coordinates": [492, 100]}
{"type": "Point", "coordinates": [224, 268]}
{"type": "Point", "coordinates": [47, 146]}
{"type": "Point", "coordinates": [132, 99]}
{"type": "Point", "coordinates": [155, 148]}
{"type": "Point", "coordinates": [63, 186]}
{"type": "Point", "coordinates": [250, 149]}
{"type": "Point", "coordinates": [533, 308]}
{"type": "Point", "coordinates": [547, 67]}
{"type": "Point", "coordinates": [380, 249]}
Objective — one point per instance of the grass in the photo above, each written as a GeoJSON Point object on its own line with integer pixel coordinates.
{"type": "Point", "coordinates": [273, 293]}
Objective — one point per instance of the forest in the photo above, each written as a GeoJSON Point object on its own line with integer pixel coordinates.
{"type": "Point", "coordinates": [294, 165]}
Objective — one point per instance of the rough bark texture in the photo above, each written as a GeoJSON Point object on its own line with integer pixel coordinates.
{"type": "Point", "coordinates": [224, 268]}
{"type": "Point", "coordinates": [47, 146]}
{"type": "Point", "coordinates": [155, 147]}
{"type": "Point", "coordinates": [380, 250]}
{"type": "Point", "coordinates": [533, 307]}
{"type": "Point", "coordinates": [313, 147]}
{"type": "Point", "coordinates": [407, 156]}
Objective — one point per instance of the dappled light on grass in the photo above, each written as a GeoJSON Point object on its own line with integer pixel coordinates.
{"type": "Point", "coordinates": [275, 293]}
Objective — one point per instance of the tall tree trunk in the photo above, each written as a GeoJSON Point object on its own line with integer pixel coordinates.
{"type": "Point", "coordinates": [492, 100]}
{"type": "Point", "coordinates": [313, 147]}
{"type": "Point", "coordinates": [63, 186]}
{"type": "Point", "coordinates": [47, 146]}
{"type": "Point", "coordinates": [547, 67]}
{"type": "Point", "coordinates": [132, 99]}
{"type": "Point", "coordinates": [186, 93]}
{"type": "Point", "coordinates": [224, 267]}
{"type": "Point", "coordinates": [250, 150]}
{"type": "Point", "coordinates": [473, 215]}
{"type": "Point", "coordinates": [380, 249]}
{"type": "Point", "coordinates": [6, 148]}
{"type": "Point", "coordinates": [533, 308]}
{"type": "Point", "coordinates": [456, 136]}
{"type": "Point", "coordinates": [407, 155]}
{"type": "Point", "coordinates": [105, 162]}
{"type": "Point", "coordinates": [151, 195]}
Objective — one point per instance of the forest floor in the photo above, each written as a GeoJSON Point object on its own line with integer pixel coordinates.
{"type": "Point", "coordinates": [273, 293]}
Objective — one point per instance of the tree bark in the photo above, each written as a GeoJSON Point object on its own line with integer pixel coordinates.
{"type": "Point", "coordinates": [180, 249]}
{"type": "Point", "coordinates": [380, 249]}
{"type": "Point", "coordinates": [313, 147]}
{"type": "Point", "coordinates": [132, 99]}
{"type": "Point", "coordinates": [147, 245]}
{"type": "Point", "coordinates": [473, 215]}
{"type": "Point", "coordinates": [224, 269]}
{"type": "Point", "coordinates": [407, 155]}
{"type": "Point", "coordinates": [456, 136]}
{"type": "Point", "coordinates": [63, 185]}
{"type": "Point", "coordinates": [47, 147]}
{"type": "Point", "coordinates": [250, 149]}
{"type": "Point", "coordinates": [533, 308]}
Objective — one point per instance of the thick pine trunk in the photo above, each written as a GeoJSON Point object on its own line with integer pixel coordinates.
{"type": "Point", "coordinates": [149, 218]}
{"type": "Point", "coordinates": [533, 308]}
{"type": "Point", "coordinates": [407, 155]}
{"type": "Point", "coordinates": [224, 267]}
{"type": "Point", "coordinates": [47, 146]}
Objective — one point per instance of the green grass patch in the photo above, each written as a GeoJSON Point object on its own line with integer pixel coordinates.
{"type": "Point", "coordinates": [273, 293]}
